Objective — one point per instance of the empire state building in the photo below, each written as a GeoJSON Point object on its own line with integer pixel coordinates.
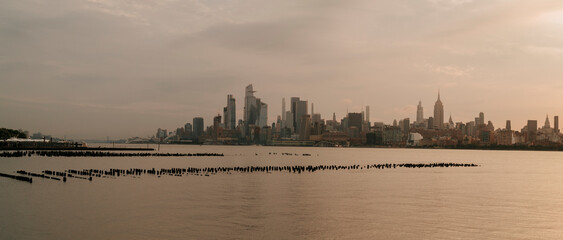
{"type": "Point", "coordinates": [438, 114]}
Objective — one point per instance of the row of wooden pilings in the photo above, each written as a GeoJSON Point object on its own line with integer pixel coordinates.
{"type": "Point", "coordinates": [88, 174]}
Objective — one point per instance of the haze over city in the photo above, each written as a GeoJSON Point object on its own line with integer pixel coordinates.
{"type": "Point", "coordinates": [92, 69]}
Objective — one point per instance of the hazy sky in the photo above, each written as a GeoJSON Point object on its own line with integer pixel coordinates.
{"type": "Point", "coordinates": [97, 68]}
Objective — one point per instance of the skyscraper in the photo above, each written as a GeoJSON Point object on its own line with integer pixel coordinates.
{"type": "Point", "coordinates": [312, 109]}
{"type": "Point", "coordinates": [229, 113]}
{"type": "Point", "coordinates": [188, 129]}
{"type": "Point", "coordinates": [508, 125]}
{"type": "Point", "coordinates": [198, 127]}
{"type": "Point", "coordinates": [547, 125]}
{"type": "Point", "coordinates": [305, 130]}
{"type": "Point", "coordinates": [298, 109]}
{"type": "Point", "coordinates": [250, 107]}
{"type": "Point", "coordinates": [419, 113]}
{"type": "Point", "coordinates": [367, 115]}
{"type": "Point", "coordinates": [438, 114]}
{"type": "Point", "coordinates": [355, 120]}
{"type": "Point", "coordinates": [255, 111]}
{"type": "Point", "coordinates": [262, 113]}
{"type": "Point", "coordinates": [283, 120]}
{"type": "Point", "coordinates": [481, 119]}
{"type": "Point", "coordinates": [532, 130]}
{"type": "Point", "coordinates": [294, 101]}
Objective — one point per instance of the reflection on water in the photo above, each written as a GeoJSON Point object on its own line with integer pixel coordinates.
{"type": "Point", "coordinates": [514, 195]}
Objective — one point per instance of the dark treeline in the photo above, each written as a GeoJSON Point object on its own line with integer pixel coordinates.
{"type": "Point", "coordinates": [101, 154]}
{"type": "Point", "coordinates": [6, 133]}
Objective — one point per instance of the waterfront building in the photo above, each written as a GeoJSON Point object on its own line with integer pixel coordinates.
{"type": "Point", "coordinates": [392, 135]}
{"type": "Point", "coordinates": [161, 134]}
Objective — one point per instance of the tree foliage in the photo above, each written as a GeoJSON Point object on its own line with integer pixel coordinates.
{"type": "Point", "coordinates": [10, 133]}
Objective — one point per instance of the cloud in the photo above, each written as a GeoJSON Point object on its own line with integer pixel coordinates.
{"type": "Point", "coordinates": [449, 70]}
{"type": "Point", "coordinates": [543, 50]}
{"type": "Point", "coordinates": [449, 3]}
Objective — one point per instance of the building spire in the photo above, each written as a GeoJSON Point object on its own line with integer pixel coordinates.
{"type": "Point", "coordinates": [438, 94]}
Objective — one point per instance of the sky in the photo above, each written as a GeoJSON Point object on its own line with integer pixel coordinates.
{"type": "Point", "coordinates": [93, 69]}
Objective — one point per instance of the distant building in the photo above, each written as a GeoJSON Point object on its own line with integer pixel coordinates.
{"type": "Point", "coordinates": [406, 126]}
{"type": "Point", "coordinates": [298, 109]}
{"type": "Point", "coordinates": [198, 127]}
{"type": "Point", "coordinates": [255, 111]}
{"type": "Point", "coordinates": [438, 114]}
{"type": "Point", "coordinates": [161, 133]}
{"type": "Point", "coordinates": [250, 107]}
{"type": "Point", "coordinates": [367, 116]}
{"type": "Point", "coordinates": [355, 120]}
{"type": "Point", "coordinates": [283, 115]}
{"type": "Point", "coordinates": [419, 113]}
{"type": "Point", "coordinates": [229, 113]}
{"type": "Point", "coordinates": [262, 114]}
{"type": "Point", "coordinates": [556, 124]}
{"type": "Point", "coordinates": [392, 135]}
{"type": "Point", "coordinates": [481, 119]}
{"type": "Point", "coordinates": [532, 130]}
{"type": "Point", "coordinates": [305, 130]}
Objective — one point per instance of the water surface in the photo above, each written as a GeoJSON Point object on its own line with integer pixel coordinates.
{"type": "Point", "coordinates": [512, 195]}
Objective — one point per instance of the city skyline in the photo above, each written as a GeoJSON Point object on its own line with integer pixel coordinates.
{"type": "Point", "coordinates": [99, 68]}
{"type": "Point", "coordinates": [272, 116]}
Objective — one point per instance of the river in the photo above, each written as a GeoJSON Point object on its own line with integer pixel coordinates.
{"type": "Point", "coordinates": [511, 195]}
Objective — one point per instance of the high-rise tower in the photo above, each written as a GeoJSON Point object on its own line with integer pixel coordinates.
{"type": "Point", "coordinates": [229, 113]}
{"type": "Point", "coordinates": [556, 123]}
{"type": "Point", "coordinates": [481, 119]}
{"type": "Point", "coordinates": [419, 113]}
{"type": "Point", "coordinates": [250, 108]}
{"type": "Point", "coordinates": [367, 114]}
{"type": "Point", "coordinates": [283, 114]}
{"type": "Point", "coordinates": [438, 114]}
{"type": "Point", "coordinates": [298, 109]}
{"type": "Point", "coordinates": [255, 111]}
